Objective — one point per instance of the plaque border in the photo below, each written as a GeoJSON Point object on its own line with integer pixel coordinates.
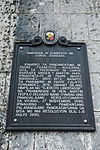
{"type": "Point", "coordinates": [67, 127]}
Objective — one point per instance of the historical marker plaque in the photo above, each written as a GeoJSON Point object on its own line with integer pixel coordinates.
{"type": "Point", "coordinates": [50, 87]}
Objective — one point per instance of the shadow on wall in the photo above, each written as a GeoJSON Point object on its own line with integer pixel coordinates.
{"type": "Point", "coordinates": [35, 16]}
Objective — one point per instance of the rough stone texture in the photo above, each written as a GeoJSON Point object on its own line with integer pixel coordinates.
{"type": "Point", "coordinates": [7, 5]}
{"type": "Point", "coordinates": [82, 6]}
{"type": "Point", "coordinates": [5, 60]}
{"type": "Point", "coordinates": [94, 56]}
{"type": "Point", "coordinates": [94, 26]}
{"type": "Point", "coordinates": [22, 141]}
{"type": "Point", "coordinates": [4, 26]}
{"type": "Point", "coordinates": [35, 6]}
{"type": "Point", "coordinates": [3, 106]}
{"type": "Point", "coordinates": [57, 6]}
{"type": "Point", "coordinates": [57, 140]}
{"type": "Point", "coordinates": [56, 22]}
{"type": "Point", "coordinates": [95, 82]}
{"type": "Point", "coordinates": [4, 141]}
{"type": "Point", "coordinates": [5, 42]}
{"type": "Point", "coordinates": [6, 55]}
{"type": "Point", "coordinates": [78, 20]}
{"type": "Point", "coordinates": [97, 5]}
{"type": "Point", "coordinates": [79, 27]}
{"type": "Point", "coordinates": [24, 26]}
{"type": "Point", "coordinates": [92, 140]}
{"type": "Point", "coordinates": [3, 101]}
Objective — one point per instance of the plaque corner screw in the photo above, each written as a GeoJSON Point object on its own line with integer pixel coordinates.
{"type": "Point", "coordinates": [78, 48]}
{"type": "Point", "coordinates": [85, 121]}
{"type": "Point", "coordinates": [21, 47]}
{"type": "Point", "coordinates": [15, 120]}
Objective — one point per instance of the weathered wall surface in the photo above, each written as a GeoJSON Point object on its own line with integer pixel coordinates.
{"type": "Point", "coordinates": [78, 20]}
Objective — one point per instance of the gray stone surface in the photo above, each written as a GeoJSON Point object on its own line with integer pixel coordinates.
{"type": "Point", "coordinates": [56, 22]}
{"type": "Point", "coordinates": [3, 106]}
{"type": "Point", "coordinates": [59, 141]}
{"type": "Point", "coordinates": [94, 56]}
{"type": "Point", "coordinates": [94, 26]}
{"type": "Point", "coordinates": [92, 140]}
{"type": "Point", "coordinates": [35, 6]}
{"type": "Point", "coordinates": [57, 6]}
{"type": "Point", "coordinates": [4, 141]}
{"type": "Point", "coordinates": [95, 82]}
{"type": "Point", "coordinates": [79, 27]}
{"type": "Point", "coordinates": [24, 26]}
{"type": "Point", "coordinates": [5, 42]}
{"type": "Point", "coordinates": [4, 26]}
{"type": "Point", "coordinates": [5, 60]}
{"type": "Point", "coordinates": [97, 5]}
{"type": "Point", "coordinates": [3, 101]}
{"type": "Point", "coordinates": [7, 5]}
{"type": "Point", "coordinates": [22, 141]}
{"type": "Point", "coordinates": [82, 6]}
{"type": "Point", "coordinates": [78, 20]}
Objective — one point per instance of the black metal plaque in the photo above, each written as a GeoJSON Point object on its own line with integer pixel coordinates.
{"type": "Point", "coordinates": [50, 87]}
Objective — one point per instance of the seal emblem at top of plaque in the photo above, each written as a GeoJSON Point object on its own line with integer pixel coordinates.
{"type": "Point", "coordinates": [49, 37]}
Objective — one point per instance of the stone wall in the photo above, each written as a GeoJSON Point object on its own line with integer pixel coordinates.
{"type": "Point", "coordinates": [78, 20]}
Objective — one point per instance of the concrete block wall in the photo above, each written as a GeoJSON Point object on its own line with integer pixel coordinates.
{"type": "Point", "coordinates": [78, 20]}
